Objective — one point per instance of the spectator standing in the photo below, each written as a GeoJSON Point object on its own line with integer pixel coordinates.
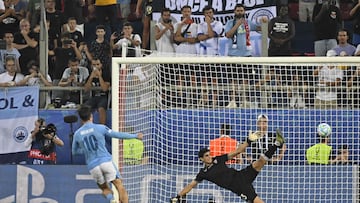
{"type": "Point", "coordinates": [100, 48]}
{"type": "Point", "coordinates": [54, 16]}
{"type": "Point", "coordinates": [33, 12]}
{"type": "Point", "coordinates": [144, 7]}
{"type": "Point", "coordinates": [306, 8]}
{"type": "Point", "coordinates": [164, 33]}
{"type": "Point", "coordinates": [73, 76]}
{"type": "Point", "coordinates": [124, 9]}
{"type": "Point", "coordinates": [281, 31]}
{"type": "Point", "coordinates": [186, 33]}
{"type": "Point", "coordinates": [9, 19]}
{"type": "Point", "coordinates": [224, 144]}
{"type": "Point", "coordinates": [9, 51]}
{"type": "Point", "coordinates": [132, 40]}
{"type": "Point", "coordinates": [86, 56]}
{"type": "Point", "coordinates": [26, 41]}
{"type": "Point", "coordinates": [209, 32]}
{"type": "Point", "coordinates": [327, 22]}
{"type": "Point", "coordinates": [330, 78]}
{"type": "Point", "coordinates": [74, 9]}
{"type": "Point", "coordinates": [10, 78]}
{"type": "Point", "coordinates": [355, 14]}
{"type": "Point", "coordinates": [105, 10]}
{"type": "Point", "coordinates": [344, 48]}
{"type": "Point", "coordinates": [20, 7]}
{"type": "Point", "coordinates": [237, 30]}
{"type": "Point", "coordinates": [62, 55]}
{"type": "Point", "coordinates": [99, 77]}
{"type": "Point", "coordinates": [73, 32]}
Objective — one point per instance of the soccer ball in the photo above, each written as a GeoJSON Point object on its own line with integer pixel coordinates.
{"type": "Point", "coordinates": [324, 129]}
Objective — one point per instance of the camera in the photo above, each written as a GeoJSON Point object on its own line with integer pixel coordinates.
{"type": "Point", "coordinates": [46, 145]}
{"type": "Point", "coordinates": [67, 41]}
{"type": "Point", "coordinates": [49, 129]}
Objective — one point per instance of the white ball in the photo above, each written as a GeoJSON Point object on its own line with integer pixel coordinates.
{"type": "Point", "coordinates": [324, 129]}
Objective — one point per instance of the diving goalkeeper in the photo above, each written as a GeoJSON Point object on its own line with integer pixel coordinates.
{"type": "Point", "coordinates": [239, 182]}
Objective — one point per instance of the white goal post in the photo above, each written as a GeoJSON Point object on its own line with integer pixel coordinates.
{"type": "Point", "coordinates": [181, 102]}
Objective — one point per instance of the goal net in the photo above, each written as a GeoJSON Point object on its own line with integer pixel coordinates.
{"type": "Point", "coordinates": [181, 104]}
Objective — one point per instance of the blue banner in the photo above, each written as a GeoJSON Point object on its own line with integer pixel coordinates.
{"type": "Point", "coordinates": [157, 183]}
{"type": "Point", "coordinates": [18, 112]}
{"type": "Point", "coordinates": [51, 184]}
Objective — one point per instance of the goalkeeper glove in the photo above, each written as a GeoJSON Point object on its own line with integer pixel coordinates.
{"type": "Point", "coordinates": [177, 199]}
{"type": "Point", "coordinates": [253, 136]}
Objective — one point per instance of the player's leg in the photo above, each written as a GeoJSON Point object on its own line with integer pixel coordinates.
{"type": "Point", "coordinates": [279, 141]}
{"type": "Point", "coordinates": [112, 175]}
{"type": "Point", "coordinates": [102, 115]}
{"type": "Point", "coordinates": [102, 106]}
{"type": "Point", "coordinates": [106, 191]}
{"type": "Point", "coordinates": [97, 174]}
{"type": "Point", "coordinates": [123, 195]}
{"type": "Point", "coordinates": [248, 192]}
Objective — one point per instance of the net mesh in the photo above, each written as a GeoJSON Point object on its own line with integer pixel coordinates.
{"type": "Point", "coordinates": [181, 107]}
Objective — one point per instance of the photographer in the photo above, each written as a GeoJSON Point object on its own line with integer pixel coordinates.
{"type": "Point", "coordinates": [43, 143]}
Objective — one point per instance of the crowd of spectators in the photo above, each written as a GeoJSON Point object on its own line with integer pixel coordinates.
{"type": "Point", "coordinates": [72, 46]}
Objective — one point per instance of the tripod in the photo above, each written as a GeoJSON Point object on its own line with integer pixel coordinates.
{"type": "Point", "coordinates": [71, 119]}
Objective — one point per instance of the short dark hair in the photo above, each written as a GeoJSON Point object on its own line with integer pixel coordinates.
{"type": "Point", "coordinates": [165, 10]}
{"type": "Point", "coordinates": [31, 64]}
{"type": "Point", "coordinates": [206, 8]}
{"type": "Point", "coordinates": [344, 30]}
{"type": "Point", "coordinates": [127, 24]}
{"type": "Point", "coordinates": [71, 18]}
{"type": "Point", "coordinates": [73, 59]}
{"type": "Point", "coordinates": [239, 5]}
{"type": "Point", "coordinates": [186, 6]}
{"type": "Point", "coordinates": [84, 112]}
{"type": "Point", "coordinates": [100, 27]}
{"type": "Point", "coordinates": [9, 58]}
{"type": "Point", "coordinates": [203, 151]}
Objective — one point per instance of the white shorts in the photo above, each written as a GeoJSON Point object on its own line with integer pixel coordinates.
{"type": "Point", "coordinates": [105, 172]}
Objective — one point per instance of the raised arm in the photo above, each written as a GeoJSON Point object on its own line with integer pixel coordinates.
{"type": "Point", "coordinates": [123, 135]}
{"type": "Point", "coordinates": [240, 149]}
{"type": "Point", "coordinates": [187, 188]}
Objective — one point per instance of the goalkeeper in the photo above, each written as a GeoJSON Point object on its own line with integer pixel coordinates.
{"type": "Point", "coordinates": [239, 182]}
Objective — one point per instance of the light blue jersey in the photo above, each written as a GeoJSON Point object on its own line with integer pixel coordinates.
{"type": "Point", "coordinates": [89, 139]}
{"type": "Point", "coordinates": [237, 45]}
